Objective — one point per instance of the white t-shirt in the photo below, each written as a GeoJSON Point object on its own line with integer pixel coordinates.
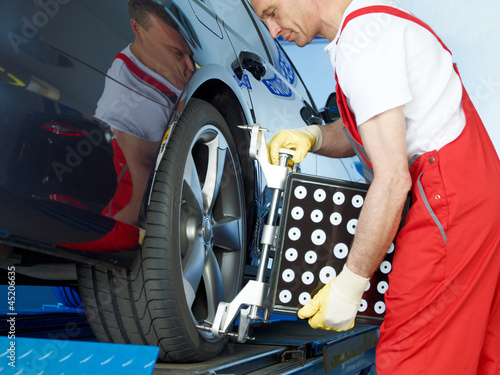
{"type": "Point", "coordinates": [384, 61]}
{"type": "Point", "coordinates": [138, 108]}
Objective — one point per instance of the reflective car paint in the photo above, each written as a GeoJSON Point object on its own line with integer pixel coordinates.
{"type": "Point", "coordinates": [56, 169]}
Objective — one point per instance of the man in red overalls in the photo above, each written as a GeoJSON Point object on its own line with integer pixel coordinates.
{"type": "Point", "coordinates": [413, 126]}
{"type": "Point", "coordinates": [142, 93]}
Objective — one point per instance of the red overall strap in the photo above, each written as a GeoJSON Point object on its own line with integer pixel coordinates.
{"type": "Point", "coordinates": [147, 78]}
{"type": "Point", "coordinates": [348, 118]}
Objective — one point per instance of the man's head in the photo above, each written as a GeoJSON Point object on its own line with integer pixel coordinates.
{"type": "Point", "coordinates": [286, 18]}
{"type": "Point", "coordinates": [140, 10]}
{"type": "Point", "coordinates": [300, 21]}
{"type": "Point", "coordinates": [158, 42]}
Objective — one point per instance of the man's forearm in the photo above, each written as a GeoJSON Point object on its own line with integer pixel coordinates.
{"type": "Point", "coordinates": [384, 139]}
{"type": "Point", "coordinates": [141, 157]}
{"type": "Point", "coordinates": [140, 175]}
{"type": "Point", "coordinates": [335, 142]}
{"type": "Point", "coordinates": [377, 225]}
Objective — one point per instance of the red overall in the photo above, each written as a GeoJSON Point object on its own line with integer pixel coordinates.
{"type": "Point", "coordinates": [443, 303]}
{"type": "Point", "coordinates": [123, 236]}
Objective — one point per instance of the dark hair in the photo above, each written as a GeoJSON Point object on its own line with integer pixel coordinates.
{"type": "Point", "coordinates": [140, 10]}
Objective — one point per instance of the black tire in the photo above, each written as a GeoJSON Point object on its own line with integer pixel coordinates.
{"type": "Point", "coordinates": [192, 256]}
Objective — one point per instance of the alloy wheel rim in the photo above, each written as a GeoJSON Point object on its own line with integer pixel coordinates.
{"type": "Point", "coordinates": [211, 225]}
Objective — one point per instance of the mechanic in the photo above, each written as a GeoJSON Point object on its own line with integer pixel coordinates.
{"type": "Point", "coordinates": [144, 85]}
{"type": "Point", "coordinates": [413, 126]}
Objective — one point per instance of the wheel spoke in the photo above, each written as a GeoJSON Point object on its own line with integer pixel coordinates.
{"type": "Point", "coordinates": [227, 234]}
{"type": "Point", "coordinates": [192, 181]}
{"type": "Point", "coordinates": [217, 149]}
{"type": "Point", "coordinates": [193, 268]}
{"type": "Point", "coordinates": [213, 283]}
{"type": "Point", "coordinates": [228, 264]}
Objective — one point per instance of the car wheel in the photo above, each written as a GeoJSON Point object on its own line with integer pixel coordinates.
{"type": "Point", "coordinates": [192, 256]}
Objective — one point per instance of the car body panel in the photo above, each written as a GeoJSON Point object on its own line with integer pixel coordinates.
{"type": "Point", "coordinates": [53, 149]}
{"type": "Point", "coordinates": [57, 172]}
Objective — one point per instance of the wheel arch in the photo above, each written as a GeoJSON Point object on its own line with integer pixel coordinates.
{"type": "Point", "coordinates": [225, 100]}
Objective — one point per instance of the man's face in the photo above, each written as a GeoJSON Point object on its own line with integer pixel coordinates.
{"type": "Point", "coordinates": [167, 53]}
{"type": "Point", "coordinates": [286, 18]}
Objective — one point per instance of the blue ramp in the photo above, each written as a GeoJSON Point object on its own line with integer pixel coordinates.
{"type": "Point", "coordinates": [57, 357]}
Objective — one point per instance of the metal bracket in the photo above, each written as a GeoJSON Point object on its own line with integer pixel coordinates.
{"type": "Point", "coordinates": [275, 175]}
{"type": "Point", "coordinates": [269, 235]}
{"type": "Point", "coordinates": [255, 294]}
{"type": "Point", "coordinates": [298, 355]}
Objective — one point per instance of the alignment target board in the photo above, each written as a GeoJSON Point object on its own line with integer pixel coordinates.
{"type": "Point", "coordinates": [318, 223]}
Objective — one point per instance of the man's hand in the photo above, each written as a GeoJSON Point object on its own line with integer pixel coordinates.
{"type": "Point", "coordinates": [302, 140]}
{"type": "Point", "coordinates": [335, 306]}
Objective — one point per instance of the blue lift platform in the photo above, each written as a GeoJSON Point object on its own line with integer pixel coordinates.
{"type": "Point", "coordinates": [56, 343]}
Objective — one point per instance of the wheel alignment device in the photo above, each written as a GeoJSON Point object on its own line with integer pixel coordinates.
{"type": "Point", "coordinates": [255, 294]}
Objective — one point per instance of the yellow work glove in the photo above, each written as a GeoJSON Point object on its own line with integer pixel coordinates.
{"type": "Point", "coordinates": [301, 140]}
{"type": "Point", "coordinates": [335, 306]}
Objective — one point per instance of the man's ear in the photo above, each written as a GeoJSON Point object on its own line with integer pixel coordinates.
{"type": "Point", "coordinates": [137, 29]}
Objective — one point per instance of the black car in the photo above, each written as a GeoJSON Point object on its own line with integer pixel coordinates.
{"type": "Point", "coordinates": [148, 274]}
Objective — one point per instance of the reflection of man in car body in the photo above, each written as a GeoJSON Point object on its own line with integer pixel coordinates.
{"type": "Point", "coordinates": [146, 82]}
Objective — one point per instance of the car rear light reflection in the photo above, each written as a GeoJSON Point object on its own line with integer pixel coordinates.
{"type": "Point", "coordinates": [61, 129]}
{"type": "Point", "coordinates": [67, 200]}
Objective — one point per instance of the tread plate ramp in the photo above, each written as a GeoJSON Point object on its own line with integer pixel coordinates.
{"type": "Point", "coordinates": [57, 357]}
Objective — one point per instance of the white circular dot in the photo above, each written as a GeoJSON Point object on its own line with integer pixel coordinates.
{"type": "Point", "coordinates": [379, 307]}
{"type": "Point", "coordinates": [327, 274]}
{"type": "Point", "coordinates": [318, 237]}
{"type": "Point", "coordinates": [319, 195]}
{"type": "Point", "coordinates": [338, 198]}
{"type": "Point", "coordinates": [340, 250]}
{"type": "Point", "coordinates": [300, 192]}
{"type": "Point", "coordinates": [285, 296]}
{"type": "Point", "coordinates": [385, 267]}
{"type": "Point", "coordinates": [351, 226]}
{"type": "Point", "coordinates": [310, 257]}
{"type": "Point", "coordinates": [294, 233]}
{"type": "Point", "coordinates": [288, 275]}
{"type": "Point", "coordinates": [291, 254]}
{"type": "Point", "coordinates": [382, 287]}
{"type": "Point", "coordinates": [308, 278]}
{"type": "Point", "coordinates": [368, 286]}
{"type": "Point", "coordinates": [391, 249]}
{"type": "Point", "coordinates": [335, 218]}
{"type": "Point", "coordinates": [363, 306]}
{"type": "Point", "coordinates": [357, 201]}
{"type": "Point", "coordinates": [297, 213]}
{"type": "Point", "coordinates": [304, 298]}
{"type": "Point", "coordinates": [316, 216]}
